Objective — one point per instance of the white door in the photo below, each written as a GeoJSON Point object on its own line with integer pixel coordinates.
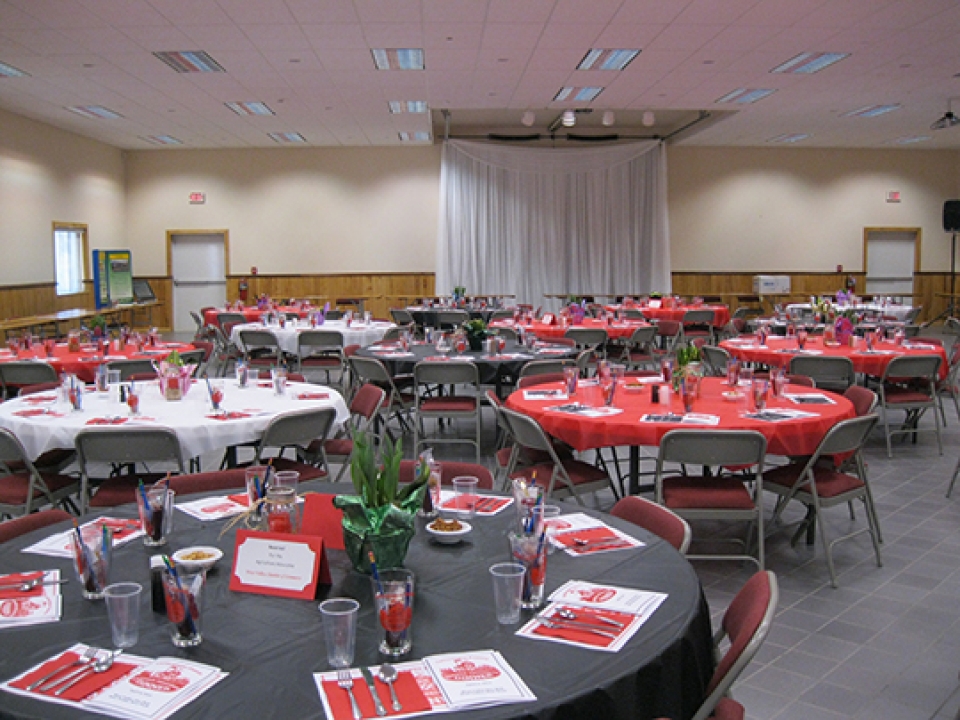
{"type": "Point", "coordinates": [890, 262]}
{"type": "Point", "coordinates": [199, 271]}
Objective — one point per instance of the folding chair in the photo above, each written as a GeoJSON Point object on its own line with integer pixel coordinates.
{"type": "Point", "coordinates": [715, 359]}
{"type": "Point", "coordinates": [535, 369]}
{"type": "Point", "coordinates": [822, 485]}
{"type": "Point", "coordinates": [195, 483]}
{"type": "Point", "coordinates": [399, 403]}
{"type": "Point", "coordinates": [14, 528]}
{"type": "Point", "coordinates": [639, 350]}
{"type": "Point", "coordinates": [909, 383]}
{"type": "Point", "coordinates": [720, 495]}
{"type": "Point", "coordinates": [659, 520]}
{"type": "Point", "coordinates": [452, 406]}
{"type": "Point", "coordinates": [18, 373]}
{"type": "Point", "coordinates": [226, 321]}
{"type": "Point", "coordinates": [669, 333]}
{"type": "Point", "coordinates": [364, 410]}
{"type": "Point", "coordinates": [698, 324]}
{"type": "Point", "coordinates": [451, 319]}
{"type": "Point", "coordinates": [321, 350]}
{"type": "Point", "coordinates": [260, 347]}
{"type": "Point", "coordinates": [401, 316]}
{"type": "Point", "coordinates": [450, 470]}
{"type": "Point", "coordinates": [24, 487]}
{"type": "Point", "coordinates": [829, 373]}
{"type": "Point", "coordinates": [131, 368]}
{"type": "Point", "coordinates": [568, 477]}
{"type": "Point", "coordinates": [124, 447]}
{"type": "Point", "coordinates": [299, 430]}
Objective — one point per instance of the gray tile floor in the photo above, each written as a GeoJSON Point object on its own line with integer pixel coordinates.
{"type": "Point", "coordinates": [884, 645]}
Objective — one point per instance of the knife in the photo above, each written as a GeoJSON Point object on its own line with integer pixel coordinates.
{"type": "Point", "coordinates": [368, 676]}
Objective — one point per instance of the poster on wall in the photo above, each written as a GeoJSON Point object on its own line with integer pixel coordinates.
{"type": "Point", "coordinates": [113, 277]}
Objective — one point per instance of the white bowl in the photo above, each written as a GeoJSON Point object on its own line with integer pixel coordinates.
{"type": "Point", "coordinates": [183, 558]}
{"type": "Point", "coordinates": [450, 537]}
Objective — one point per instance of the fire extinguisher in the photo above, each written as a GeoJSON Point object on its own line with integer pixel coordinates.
{"type": "Point", "coordinates": [244, 289]}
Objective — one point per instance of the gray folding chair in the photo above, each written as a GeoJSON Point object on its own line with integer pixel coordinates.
{"type": "Point", "coordinates": [715, 359]}
{"type": "Point", "coordinates": [364, 410]}
{"type": "Point", "coordinates": [304, 432]}
{"type": "Point", "coordinates": [130, 368]}
{"type": "Point", "coordinates": [226, 321]}
{"type": "Point", "coordinates": [715, 495]}
{"type": "Point", "coordinates": [821, 485]}
{"type": "Point", "coordinates": [451, 319]}
{"type": "Point", "coordinates": [698, 324]}
{"type": "Point", "coordinates": [20, 373]}
{"type": "Point", "coordinates": [828, 373]}
{"type": "Point", "coordinates": [24, 488]}
{"type": "Point", "coordinates": [401, 316]}
{"type": "Point", "coordinates": [545, 367]}
{"type": "Point", "coordinates": [640, 349]}
{"type": "Point", "coordinates": [321, 350]}
{"type": "Point", "coordinates": [449, 406]}
{"type": "Point", "coordinates": [260, 347]}
{"type": "Point", "coordinates": [909, 383]}
{"type": "Point", "coordinates": [399, 403]}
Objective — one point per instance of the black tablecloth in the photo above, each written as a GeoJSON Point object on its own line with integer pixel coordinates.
{"type": "Point", "coordinates": [270, 646]}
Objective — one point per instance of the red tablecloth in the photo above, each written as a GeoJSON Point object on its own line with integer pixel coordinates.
{"type": "Point", "coordinates": [84, 364]}
{"type": "Point", "coordinates": [615, 330]}
{"type": "Point", "coordinates": [788, 437]}
{"type": "Point", "coordinates": [779, 350]}
{"type": "Point", "coordinates": [721, 313]}
{"type": "Point", "coordinates": [252, 314]}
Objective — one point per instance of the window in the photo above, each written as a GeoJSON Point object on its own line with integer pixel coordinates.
{"type": "Point", "coordinates": [69, 257]}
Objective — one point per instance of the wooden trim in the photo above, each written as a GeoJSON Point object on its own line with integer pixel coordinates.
{"type": "Point", "coordinates": [226, 247]}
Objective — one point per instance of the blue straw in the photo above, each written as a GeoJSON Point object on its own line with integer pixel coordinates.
{"type": "Point", "coordinates": [183, 593]}
{"type": "Point", "coordinates": [373, 570]}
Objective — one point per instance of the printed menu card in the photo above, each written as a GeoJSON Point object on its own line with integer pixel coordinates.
{"type": "Point", "coordinates": [40, 604]}
{"type": "Point", "coordinates": [58, 544]}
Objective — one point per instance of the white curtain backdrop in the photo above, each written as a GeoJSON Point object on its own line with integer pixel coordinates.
{"type": "Point", "coordinates": [535, 221]}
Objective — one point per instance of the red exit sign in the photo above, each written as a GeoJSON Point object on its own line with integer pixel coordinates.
{"type": "Point", "coordinates": [198, 198]}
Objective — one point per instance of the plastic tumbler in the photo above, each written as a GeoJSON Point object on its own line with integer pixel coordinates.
{"type": "Point", "coordinates": [507, 587]}
{"type": "Point", "coordinates": [339, 630]}
{"type": "Point", "coordinates": [123, 609]}
{"type": "Point", "coordinates": [466, 496]}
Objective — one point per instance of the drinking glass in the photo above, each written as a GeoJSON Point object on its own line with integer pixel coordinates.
{"type": "Point", "coordinates": [184, 596]}
{"type": "Point", "coordinates": [393, 591]}
{"type": "Point", "coordinates": [280, 508]}
{"type": "Point", "coordinates": [279, 377]}
{"type": "Point", "coordinates": [339, 630]}
{"type": "Point", "coordinates": [216, 394]}
{"type": "Point", "coordinates": [571, 374]}
{"type": "Point", "coordinates": [760, 394]}
{"type": "Point", "coordinates": [466, 496]}
{"type": "Point", "coordinates": [507, 589]}
{"type": "Point", "coordinates": [92, 554]}
{"type": "Point", "coordinates": [255, 478]}
{"type": "Point", "coordinates": [733, 372]}
{"type": "Point", "coordinates": [123, 609]}
{"type": "Point", "coordinates": [156, 514]}
{"type": "Point", "coordinates": [530, 550]}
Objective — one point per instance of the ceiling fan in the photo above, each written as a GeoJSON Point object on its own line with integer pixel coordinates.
{"type": "Point", "coordinates": [948, 120]}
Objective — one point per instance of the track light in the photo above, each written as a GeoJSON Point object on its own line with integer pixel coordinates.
{"type": "Point", "coordinates": [608, 118]}
{"type": "Point", "coordinates": [569, 118]}
{"type": "Point", "coordinates": [528, 119]}
{"type": "Point", "coordinates": [648, 119]}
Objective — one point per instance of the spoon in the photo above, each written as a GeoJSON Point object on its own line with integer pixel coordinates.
{"type": "Point", "coordinates": [568, 614]}
{"type": "Point", "coordinates": [388, 673]}
{"type": "Point", "coordinates": [31, 584]}
{"type": "Point", "coordinates": [100, 666]}
{"type": "Point", "coordinates": [559, 624]}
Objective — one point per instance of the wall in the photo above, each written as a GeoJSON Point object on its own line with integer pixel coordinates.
{"type": "Point", "coordinates": [291, 211]}
{"type": "Point", "coordinates": [779, 210]}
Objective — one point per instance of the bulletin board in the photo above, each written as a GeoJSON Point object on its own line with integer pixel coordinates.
{"type": "Point", "coordinates": [113, 277]}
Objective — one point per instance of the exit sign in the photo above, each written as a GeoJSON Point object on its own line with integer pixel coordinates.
{"type": "Point", "coordinates": [198, 198]}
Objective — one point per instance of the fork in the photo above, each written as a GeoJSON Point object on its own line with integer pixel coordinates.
{"type": "Point", "coordinates": [345, 680]}
{"type": "Point", "coordinates": [89, 655]}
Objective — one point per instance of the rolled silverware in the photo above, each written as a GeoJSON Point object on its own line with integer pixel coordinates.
{"type": "Point", "coordinates": [558, 623]}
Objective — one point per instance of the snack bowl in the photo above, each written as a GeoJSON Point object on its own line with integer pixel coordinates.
{"type": "Point", "coordinates": [733, 395]}
{"type": "Point", "coordinates": [198, 557]}
{"type": "Point", "coordinates": [448, 532]}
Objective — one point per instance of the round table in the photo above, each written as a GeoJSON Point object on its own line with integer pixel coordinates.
{"type": "Point", "coordinates": [198, 429]}
{"type": "Point", "coordinates": [615, 330]}
{"type": "Point", "coordinates": [270, 646]}
{"type": "Point", "coordinates": [356, 333]}
{"type": "Point", "coordinates": [253, 314]}
{"type": "Point", "coordinates": [721, 313]}
{"type": "Point", "coordinates": [778, 351]}
{"type": "Point", "coordinates": [84, 364]}
{"type": "Point", "coordinates": [427, 316]}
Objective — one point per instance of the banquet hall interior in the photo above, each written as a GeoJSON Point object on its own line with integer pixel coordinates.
{"type": "Point", "coordinates": [375, 152]}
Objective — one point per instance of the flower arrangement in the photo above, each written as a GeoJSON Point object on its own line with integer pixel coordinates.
{"type": "Point", "coordinates": [98, 325]}
{"type": "Point", "coordinates": [688, 363]}
{"type": "Point", "coordinates": [380, 517]}
{"type": "Point", "coordinates": [476, 331]}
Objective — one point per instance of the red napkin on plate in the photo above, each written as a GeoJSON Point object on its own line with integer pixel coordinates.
{"type": "Point", "coordinates": [107, 421]}
{"type": "Point", "coordinates": [39, 398]}
{"type": "Point", "coordinates": [35, 412]}
{"type": "Point", "coordinates": [408, 692]}
{"type": "Point", "coordinates": [313, 396]}
{"type": "Point", "coordinates": [591, 535]}
{"type": "Point", "coordinates": [14, 578]}
{"type": "Point", "coordinates": [229, 416]}
{"type": "Point", "coordinates": [90, 683]}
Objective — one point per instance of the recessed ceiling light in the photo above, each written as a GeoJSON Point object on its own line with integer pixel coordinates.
{"type": "Point", "coordinates": [419, 136]}
{"type": "Point", "coordinates": [872, 111]}
{"type": "Point", "coordinates": [528, 118]}
{"type": "Point", "coordinates": [599, 59]}
{"type": "Point", "coordinates": [648, 118]}
{"type": "Point", "coordinates": [10, 71]}
{"type": "Point", "coordinates": [792, 138]}
{"type": "Point", "coordinates": [744, 96]}
{"type": "Point", "coordinates": [249, 108]}
{"type": "Point", "coordinates": [398, 58]}
{"type": "Point", "coordinates": [407, 106]}
{"type": "Point", "coordinates": [95, 111]}
{"type": "Point", "coordinates": [911, 140]}
{"type": "Point", "coordinates": [287, 137]}
{"type": "Point", "coordinates": [190, 61]}
{"type": "Point", "coordinates": [569, 118]}
{"type": "Point", "coordinates": [581, 94]}
{"type": "Point", "coordinates": [808, 63]}
{"type": "Point", "coordinates": [163, 140]}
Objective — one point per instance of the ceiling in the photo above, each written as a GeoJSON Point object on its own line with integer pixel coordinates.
{"type": "Point", "coordinates": [486, 63]}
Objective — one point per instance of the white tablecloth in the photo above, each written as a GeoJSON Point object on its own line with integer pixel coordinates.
{"type": "Point", "coordinates": [190, 418]}
{"type": "Point", "coordinates": [899, 312]}
{"type": "Point", "coordinates": [357, 334]}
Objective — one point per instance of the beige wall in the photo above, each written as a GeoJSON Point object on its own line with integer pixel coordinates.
{"type": "Point", "coordinates": [46, 176]}
{"type": "Point", "coordinates": [291, 211]}
{"type": "Point", "coordinates": [758, 209]}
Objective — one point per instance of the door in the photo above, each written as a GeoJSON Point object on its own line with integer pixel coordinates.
{"type": "Point", "coordinates": [198, 267]}
{"type": "Point", "coordinates": [890, 257]}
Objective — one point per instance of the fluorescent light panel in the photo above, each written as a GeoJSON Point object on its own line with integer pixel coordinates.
{"type": "Point", "coordinates": [911, 140]}
{"type": "Point", "coordinates": [599, 59]}
{"type": "Point", "coordinates": [808, 63]}
{"type": "Point", "coordinates": [407, 106]}
{"type": "Point", "coordinates": [418, 136]}
{"type": "Point", "coordinates": [791, 138]}
{"type": "Point", "coordinates": [744, 96]}
{"type": "Point", "coordinates": [190, 61]}
{"type": "Point", "coordinates": [95, 111]}
{"type": "Point", "coordinates": [163, 140]}
{"type": "Point", "coordinates": [9, 71]}
{"type": "Point", "coordinates": [250, 108]}
{"type": "Point", "coordinates": [872, 111]}
{"type": "Point", "coordinates": [287, 137]}
{"type": "Point", "coordinates": [398, 58]}
{"type": "Point", "coordinates": [581, 94]}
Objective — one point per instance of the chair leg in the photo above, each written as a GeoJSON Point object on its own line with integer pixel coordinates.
{"type": "Point", "coordinates": [827, 547]}
{"type": "Point", "coordinates": [953, 480]}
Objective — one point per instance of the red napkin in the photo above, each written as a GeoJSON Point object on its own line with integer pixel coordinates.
{"type": "Point", "coordinates": [13, 578]}
{"type": "Point", "coordinates": [408, 692]}
{"type": "Point", "coordinates": [107, 421]}
{"type": "Point", "coordinates": [572, 634]}
{"type": "Point", "coordinates": [36, 412]}
{"type": "Point", "coordinates": [591, 535]}
{"type": "Point", "coordinates": [313, 396]}
{"type": "Point", "coordinates": [122, 528]}
{"type": "Point", "coordinates": [240, 499]}
{"type": "Point", "coordinates": [229, 416]}
{"type": "Point", "coordinates": [91, 682]}
{"type": "Point", "coordinates": [436, 358]}
{"type": "Point", "coordinates": [39, 398]}
{"type": "Point", "coordinates": [268, 384]}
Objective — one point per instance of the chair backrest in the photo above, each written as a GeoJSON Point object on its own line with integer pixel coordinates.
{"type": "Point", "coordinates": [38, 388]}
{"type": "Point", "coordinates": [831, 373]}
{"type": "Point", "coordinates": [445, 373]}
{"type": "Point", "coordinates": [668, 328]}
{"type": "Point", "coordinates": [747, 312]}
{"type": "Point", "coordinates": [319, 340]}
{"type": "Point", "coordinates": [864, 399]}
{"type": "Point", "coordinates": [11, 450]}
{"type": "Point", "coordinates": [746, 623]}
{"type": "Point", "coordinates": [18, 373]}
{"type": "Point", "coordinates": [129, 368]}
{"type": "Point", "coordinates": [845, 437]}
{"type": "Point", "coordinates": [368, 401]}
{"type": "Point", "coordinates": [401, 316]}
{"type": "Point", "coordinates": [10, 529]}
{"type": "Point", "coordinates": [297, 428]}
{"type": "Point", "coordinates": [632, 313]}
{"type": "Point", "coordinates": [506, 333]}
{"type": "Point", "coordinates": [659, 520]}
{"type": "Point", "coordinates": [452, 318]}
{"type": "Point", "coordinates": [226, 320]}
{"type": "Point", "coordinates": [527, 432]}
{"type": "Point", "coordinates": [643, 335]}
{"type": "Point", "coordinates": [253, 339]}
{"type": "Point", "coordinates": [587, 337]}
{"type": "Point", "coordinates": [910, 366]}
{"type": "Point", "coordinates": [804, 380]}
{"type": "Point", "coordinates": [450, 470]}
{"type": "Point", "coordinates": [545, 367]}
{"type": "Point", "coordinates": [541, 379]}
{"type": "Point", "coordinates": [128, 445]}
{"type": "Point", "coordinates": [713, 447]}
{"type": "Point", "coordinates": [503, 314]}
{"type": "Point", "coordinates": [716, 359]}
{"type": "Point", "coordinates": [370, 370]}
{"type": "Point", "coordinates": [698, 317]}
{"type": "Point", "coordinates": [207, 481]}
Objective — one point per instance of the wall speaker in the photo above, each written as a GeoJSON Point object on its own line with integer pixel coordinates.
{"type": "Point", "coordinates": [951, 216]}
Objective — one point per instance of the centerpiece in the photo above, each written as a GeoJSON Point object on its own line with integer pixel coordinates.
{"type": "Point", "coordinates": [476, 332]}
{"type": "Point", "coordinates": [380, 517]}
{"type": "Point", "coordinates": [688, 366]}
{"type": "Point", "coordinates": [174, 377]}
